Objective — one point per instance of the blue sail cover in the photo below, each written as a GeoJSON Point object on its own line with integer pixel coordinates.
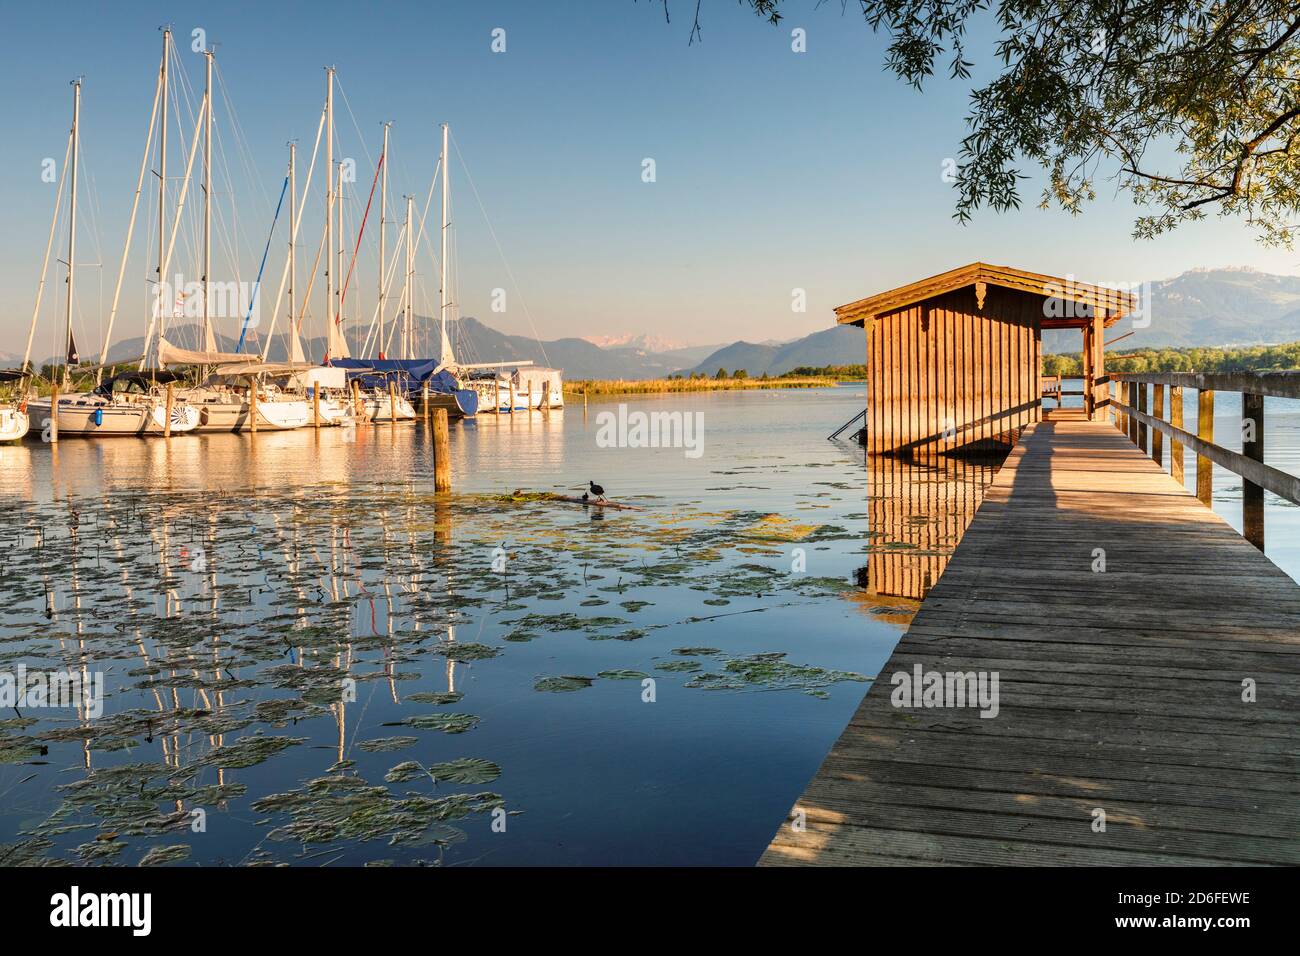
{"type": "Point", "coordinates": [410, 376]}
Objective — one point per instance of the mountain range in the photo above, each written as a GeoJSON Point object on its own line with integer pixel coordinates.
{"type": "Point", "coordinates": [1204, 307]}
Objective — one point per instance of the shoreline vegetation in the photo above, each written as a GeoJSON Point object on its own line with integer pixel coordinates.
{"type": "Point", "coordinates": [1252, 358]}
{"type": "Point", "coordinates": [698, 383]}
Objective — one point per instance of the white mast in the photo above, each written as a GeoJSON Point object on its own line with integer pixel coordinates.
{"type": "Point", "coordinates": [338, 252]}
{"type": "Point", "coordinates": [209, 340]}
{"type": "Point", "coordinates": [383, 221]}
{"type": "Point", "coordinates": [295, 352]}
{"type": "Point", "coordinates": [159, 304]}
{"type": "Point", "coordinates": [446, 358]}
{"type": "Point", "coordinates": [410, 274]}
{"type": "Point", "coordinates": [72, 228]}
{"type": "Point", "coordinates": [329, 207]}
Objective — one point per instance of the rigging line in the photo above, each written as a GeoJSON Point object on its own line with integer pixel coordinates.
{"type": "Point", "coordinates": [49, 245]}
{"type": "Point", "coordinates": [362, 231]}
{"type": "Point", "coordinates": [297, 225]}
{"type": "Point", "coordinates": [130, 229]}
{"type": "Point", "coordinates": [252, 301]}
{"type": "Point", "coordinates": [241, 138]}
{"type": "Point", "coordinates": [361, 138]}
{"type": "Point", "coordinates": [388, 282]}
{"type": "Point", "coordinates": [500, 251]}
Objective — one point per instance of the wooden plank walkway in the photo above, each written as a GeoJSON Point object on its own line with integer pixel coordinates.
{"type": "Point", "coordinates": [1118, 691]}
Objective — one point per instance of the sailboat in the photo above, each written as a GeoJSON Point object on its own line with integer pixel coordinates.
{"type": "Point", "coordinates": [138, 409]}
{"type": "Point", "coordinates": [436, 379]}
{"type": "Point", "coordinates": [232, 397]}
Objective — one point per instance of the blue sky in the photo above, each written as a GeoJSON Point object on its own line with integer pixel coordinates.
{"type": "Point", "coordinates": [775, 170]}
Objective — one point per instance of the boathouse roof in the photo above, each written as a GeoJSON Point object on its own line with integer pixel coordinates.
{"type": "Point", "coordinates": [1112, 304]}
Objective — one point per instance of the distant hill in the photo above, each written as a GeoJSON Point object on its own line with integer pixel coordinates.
{"type": "Point", "coordinates": [473, 342]}
{"type": "Point", "coordinates": [840, 345]}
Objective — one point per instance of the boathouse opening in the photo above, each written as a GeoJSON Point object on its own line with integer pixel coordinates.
{"type": "Point", "coordinates": [954, 361]}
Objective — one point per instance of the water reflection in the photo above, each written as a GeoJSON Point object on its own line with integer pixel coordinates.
{"type": "Point", "coordinates": [918, 511]}
{"type": "Point", "coordinates": [301, 641]}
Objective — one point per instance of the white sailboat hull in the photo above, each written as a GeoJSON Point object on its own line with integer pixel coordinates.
{"type": "Point", "coordinates": [94, 416]}
{"type": "Point", "coordinates": [233, 416]}
{"type": "Point", "coordinates": [380, 408]}
{"type": "Point", "coordinates": [505, 398]}
{"type": "Point", "coordinates": [13, 423]}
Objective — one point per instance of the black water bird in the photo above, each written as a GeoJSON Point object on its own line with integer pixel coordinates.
{"type": "Point", "coordinates": [597, 490]}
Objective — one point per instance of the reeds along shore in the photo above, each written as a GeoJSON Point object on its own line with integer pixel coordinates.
{"type": "Point", "coordinates": [654, 385]}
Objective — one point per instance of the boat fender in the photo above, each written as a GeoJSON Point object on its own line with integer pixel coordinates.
{"type": "Point", "coordinates": [98, 417]}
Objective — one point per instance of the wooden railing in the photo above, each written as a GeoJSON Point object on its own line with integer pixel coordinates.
{"type": "Point", "coordinates": [1130, 404]}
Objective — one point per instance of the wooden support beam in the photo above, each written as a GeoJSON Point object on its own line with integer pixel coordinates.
{"type": "Point", "coordinates": [171, 399]}
{"type": "Point", "coordinates": [1142, 407]}
{"type": "Point", "coordinates": [1176, 467]}
{"type": "Point", "coordinates": [1157, 436]}
{"type": "Point", "coordinates": [1205, 432]}
{"type": "Point", "coordinates": [1101, 385]}
{"type": "Point", "coordinates": [1252, 446]}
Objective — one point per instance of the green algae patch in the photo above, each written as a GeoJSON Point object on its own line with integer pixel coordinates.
{"type": "Point", "coordinates": [563, 685]}
{"type": "Point", "coordinates": [161, 855]}
{"type": "Point", "coordinates": [387, 744]}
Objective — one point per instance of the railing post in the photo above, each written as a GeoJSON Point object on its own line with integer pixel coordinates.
{"type": "Point", "coordinates": [1141, 406]}
{"type": "Point", "coordinates": [1252, 446]}
{"type": "Point", "coordinates": [1121, 418]}
{"type": "Point", "coordinates": [1205, 432]}
{"type": "Point", "coordinates": [1157, 436]}
{"type": "Point", "coordinates": [1175, 446]}
{"type": "Point", "coordinates": [1133, 389]}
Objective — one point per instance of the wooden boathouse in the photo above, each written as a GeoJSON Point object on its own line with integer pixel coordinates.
{"type": "Point", "coordinates": [1143, 656]}
{"type": "Point", "coordinates": [953, 361]}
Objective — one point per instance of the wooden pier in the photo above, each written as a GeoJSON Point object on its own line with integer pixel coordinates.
{"type": "Point", "coordinates": [1148, 660]}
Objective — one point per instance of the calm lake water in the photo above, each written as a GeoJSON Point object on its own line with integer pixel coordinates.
{"type": "Point", "coordinates": [308, 658]}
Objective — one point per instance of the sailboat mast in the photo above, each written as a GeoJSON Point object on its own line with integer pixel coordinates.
{"type": "Point", "coordinates": [209, 341]}
{"type": "Point", "coordinates": [159, 304]}
{"type": "Point", "coordinates": [445, 358]}
{"type": "Point", "coordinates": [338, 252]}
{"type": "Point", "coordinates": [410, 274]}
{"type": "Point", "coordinates": [293, 234]}
{"type": "Point", "coordinates": [72, 230]}
{"type": "Point", "coordinates": [383, 222]}
{"type": "Point", "coordinates": [329, 197]}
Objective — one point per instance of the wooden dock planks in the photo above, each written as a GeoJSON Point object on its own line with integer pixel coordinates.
{"type": "Point", "coordinates": [1119, 691]}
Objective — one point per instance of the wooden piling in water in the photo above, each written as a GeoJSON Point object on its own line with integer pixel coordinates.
{"type": "Point", "coordinates": [54, 414]}
{"type": "Point", "coordinates": [1252, 446]}
{"type": "Point", "coordinates": [392, 402]}
{"type": "Point", "coordinates": [252, 407]}
{"type": "Point", "coordinates": [1205, 432]}
{"type": "Point", "coordinates": [424, 400]}
{"type": "Point", "coordinates": [1175, 446]}
{"type": "Point", "coordinates": [441, 451]}
{"type": "Point", "coordinates": [315, 406]}
{"type": "Point", "coordinates": [167, 420]}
